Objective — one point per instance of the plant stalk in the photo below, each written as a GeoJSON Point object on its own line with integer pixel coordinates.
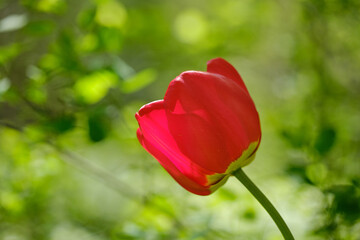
{"type": "Point", "coordinates": [262, 199]}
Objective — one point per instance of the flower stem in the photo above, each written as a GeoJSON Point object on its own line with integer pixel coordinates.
{"type": "Point", "coordinates": [255, 191]}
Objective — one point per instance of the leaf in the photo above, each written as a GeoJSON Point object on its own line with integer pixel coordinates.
{"type": "Point", "coordinates": [99, 126]}
{"type": "Point", "coordinates": [9, 52]}
{"type": "Point", "coordinates": [85, 18]}
{"type": "Point", "coordinates": [110, 39]}
{"type": "Point", "coordinates": [111, 14]}
{"type": "Point", "coordinates": [346, 201]}
{"type": "Point", "coordinates": [297, 137]}
{"type": "Point", "coordinates": [61, 124]}
{"type": "Point", "coordinates": [250, 214]}
{"type": "Point", "coordinates": [325, 140]}
{"type": "Point", "coordinates": [93, 87]}
{"type": "Point", "coordinates": [52, 6]}
{"type": "Point", "coordinates": [13, 22]}
{"type": "Point", "coordinates": [316, 172]}
{"type": "Point", "coordinates": [139, 81]}
{"type": "Point", "coordinates": [39, 27]}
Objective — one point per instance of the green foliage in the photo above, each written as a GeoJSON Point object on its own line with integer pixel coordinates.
{"type": "Point", "coordinates": [92, 88]}
{"type": "Point", "coordinates": [9, 52]}
{"type": "Point", "coordinates": [73, 74]}
{"type": "Point", "coordinates": [99, 125]}
{"type": "Point", "coordinates": [138, 81]}
{"type": "Point", "coordinates": [325, 140]}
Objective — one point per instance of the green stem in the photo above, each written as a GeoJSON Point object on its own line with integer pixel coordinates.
{"type": "Point", "coordinates": [255, 191]}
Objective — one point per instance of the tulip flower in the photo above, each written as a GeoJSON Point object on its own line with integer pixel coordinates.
{"type": "Point", "coordinates": [206, 127]}
{"type": "Point", "coordinates": [205, 130]}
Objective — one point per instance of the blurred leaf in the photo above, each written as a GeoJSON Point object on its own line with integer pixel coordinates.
{"type": "Point", "coordinates": [35, 133]}
{"type": "Point", "coordinates": [86, 17]}
{"type": "Point", "coordinates": [110, 39]}
{"type": "Point", "coordinates": [88, 43]}
{"type": "Point", "coordinates": [13, 22]}
{"type": "Point", "coordinates": [47, 6]}
{"type": "Point", "coordinates": [53, 6]}
{"type": "Point", "coordinates": [50, 62]}
{"type": "Point", "coordinates": [325, 140]}
{"type": "Point", "coordinates": [93, 87]}
{"type": "Point", "coordinates": [130, 232]}
{"type": "Point", "coordinates": [122, 68]}
{"type": "Point", "coordinates": [111, 13]}
{"type": "Point", "coordinates": [298, 170]}
{"type": "Point", "coordinates": [316, 172]}
{"type": "Point", "coordinates": [190, 26]}
{"type": "Point", "coordinates": [139, 81]}
{"type": "Point", "coordinates": [11, 202]}
{"type": "Point", "coordinates": [249, 214]}
{"type": "Point", "coordinates": [297, 137]}
{"type": "Point", "coordinates": [119, 235]}
{"type": "Point", "coordinates": [356, 182]}
{"type": "Point", "coordinates": [9, 52]}
{"type": "Point", "coordinates": [61, 124]}
{"type": "Point", "coordinates": [346, 201]}
{"type": "Point", "coordinates": [65, 50]}
{"type": "Point", "coordinates": [39, 27]}
{"type": "Point", "coordinates": [99, 125]}
{"type": "Point", "coordinates": [36, 94]}
{"type": "Point", "coordinates": [4, 86]}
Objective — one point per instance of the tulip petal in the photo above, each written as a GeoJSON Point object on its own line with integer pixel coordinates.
{"type": "Point", "coordinates": [212, 118]}
{"type": "Point", "coordinates": [222, 67]}
{"type": "Point", "coordinates": [155, 137]}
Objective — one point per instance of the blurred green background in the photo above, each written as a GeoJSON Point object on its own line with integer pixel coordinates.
{"type": "Point", "coordinates": [73, 74]}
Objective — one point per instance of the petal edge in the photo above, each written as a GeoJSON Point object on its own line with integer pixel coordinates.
{"type": "Point", "coordinates": [224, 68]}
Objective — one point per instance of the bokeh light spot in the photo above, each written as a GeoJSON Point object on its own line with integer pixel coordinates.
{"type": "Point", "coordinates": [190, 26]}
{"type": "Point", "coordinates": [111, 14]}
{"type": "Point", "coordinates": [94, 87]}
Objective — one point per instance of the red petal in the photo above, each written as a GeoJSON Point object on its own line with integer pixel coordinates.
{"type": "Point", "coordinates": [222, 67]}
{"type": "Point", "coordinates": [155, 137]}
{"type": "Point", "coordinates": [212, 118]}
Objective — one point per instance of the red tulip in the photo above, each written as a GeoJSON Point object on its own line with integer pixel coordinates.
{"type": "Point", "coordinates": [206, 127]}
